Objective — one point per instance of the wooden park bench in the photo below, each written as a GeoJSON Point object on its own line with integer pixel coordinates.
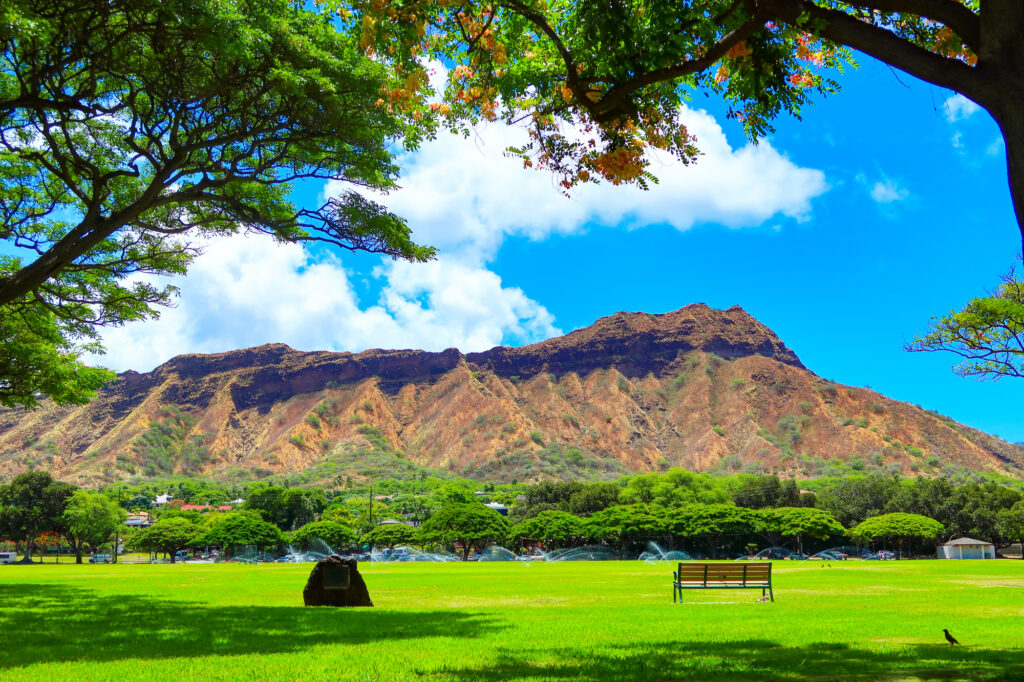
{"type": "Point", "coordinates": [722, 576]}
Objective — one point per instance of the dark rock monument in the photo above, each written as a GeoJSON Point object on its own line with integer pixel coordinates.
{"type": "Point", "coordinates": [335, 581]}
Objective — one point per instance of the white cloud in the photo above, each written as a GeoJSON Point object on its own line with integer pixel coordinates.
{"type": "Point", "coordinates": [466, 196]}
{"type": "Point", "coordinates": [959, 108]}
{"type": "Point", "coordinates": [246, 291]}
{"type": "Point", "coordinates": [887, 191]}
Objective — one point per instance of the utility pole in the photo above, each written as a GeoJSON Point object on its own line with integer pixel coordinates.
{"type": "Point", "coordinates": [371, 504]}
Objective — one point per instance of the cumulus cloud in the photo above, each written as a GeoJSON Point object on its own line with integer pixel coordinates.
{"type": "Point", "coordinates": [959, 108]}
{"type": "Point", "coordinates": [466, 196]}
{"type": "Point", "coordinates": [887, 191]}
{"type": "Point", "coordinates": [246, 291]}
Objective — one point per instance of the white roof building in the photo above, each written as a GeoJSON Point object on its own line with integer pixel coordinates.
{"type": "Point", "coordinates": [162, 499]}
{"type": "Point", "coordinates": [967, 548]}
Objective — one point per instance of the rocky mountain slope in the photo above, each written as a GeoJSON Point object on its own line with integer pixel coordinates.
{"type": "Point", "coordinates": [700, 388]}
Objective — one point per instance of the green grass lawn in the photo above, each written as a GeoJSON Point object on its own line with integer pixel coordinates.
{"type": "Point", "coordinates": [496, 621]}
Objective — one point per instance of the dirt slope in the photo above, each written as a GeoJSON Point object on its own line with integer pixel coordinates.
{"type": "Point", "coordinates": [698, 387]}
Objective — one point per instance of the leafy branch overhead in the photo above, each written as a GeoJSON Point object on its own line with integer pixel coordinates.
{"type": "Point", "coordinates": [988, 333]}
{"type": "Point", "coordinates": [599, 83]}
{"type": "Point", "coordinates": [131, 130]}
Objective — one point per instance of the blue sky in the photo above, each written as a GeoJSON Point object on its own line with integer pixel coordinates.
{"type": "Point", "coordinates": [844, 233]}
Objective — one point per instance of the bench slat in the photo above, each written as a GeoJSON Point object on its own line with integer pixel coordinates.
{"type": "Point", "coordinates": [720, 575]}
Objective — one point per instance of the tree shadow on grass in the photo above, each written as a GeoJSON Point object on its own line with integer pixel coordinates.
{"type": "Point", "coordinates": [753, 659]}
{"type": "Point", "coordinates": [56, 623]}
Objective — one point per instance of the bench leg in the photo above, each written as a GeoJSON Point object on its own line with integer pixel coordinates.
{"type": "Point", "coordinates": [771, 594]}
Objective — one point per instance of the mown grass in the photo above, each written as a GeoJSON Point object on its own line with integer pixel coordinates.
{"type": "Point", "coordinates": [493, 621]}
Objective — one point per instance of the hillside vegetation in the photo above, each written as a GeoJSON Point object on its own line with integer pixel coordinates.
{"type": "Point", "coordinates": [704, 389]}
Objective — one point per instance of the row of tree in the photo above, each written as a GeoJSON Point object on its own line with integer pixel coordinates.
{"type": "Point", "coordinates": [710, 529]}
{"type": "Point", "coordinates": [706, 513]}
{"type": "Point", "coordinates": [33, 505]}
{"type": "Point", "coordinates": [967, 505]}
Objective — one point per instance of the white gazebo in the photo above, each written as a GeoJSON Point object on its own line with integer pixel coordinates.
{"type": "Point", "coordinates": [967, 548]}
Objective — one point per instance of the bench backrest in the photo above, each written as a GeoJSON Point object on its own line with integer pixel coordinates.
{"type": "Point", "coordinates": [725, 573]}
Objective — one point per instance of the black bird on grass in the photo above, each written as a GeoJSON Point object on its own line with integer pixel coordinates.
{"type": "Point", "coordinates": [950, 638]}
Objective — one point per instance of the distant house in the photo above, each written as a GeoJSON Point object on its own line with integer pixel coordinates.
{"type": "Point", "coordinates": [139, 521]}
{"type": "Point", "coordinates": [161, 500]}
{"type": "Point", "coordinates": [967, 548]}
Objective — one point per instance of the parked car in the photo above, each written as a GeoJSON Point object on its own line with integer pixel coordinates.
{"type": "Point", "coordinates": [886, 554]}
{"type": "Point", "coordinates": [8, 557]}
{"type": "Point", "coordinates": [100, 559]}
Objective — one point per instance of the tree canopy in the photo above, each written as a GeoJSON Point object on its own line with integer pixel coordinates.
{"type": "Point", "coordinates": [391, 535]}
{"type": "Point", "coordinates": [32, 504]}
{"type": "Point", "coordinates": [288, 508]}
{"type": "Point", "coordinates": [625, 523]}
{"type": "Point", "coordinates": [469, 524]}
{"type": "Point", "coordinates": [91, 518]}
{"type": "Point", "coordinates": [897, 526]}
{"type": "Point", "coordinates": [556, 529]}
{"type": "Point", "coordinates": [337, 536]}
{"type": "Point", "coordinates": [167, 535]}
{"type": "Point", "coordinates": [797, 522]}
{"type": "Point", "coordinates": [240, 530]}
{"type": "Point", "coordinates": [132, 130]}
{"type": "Point", "coordinates": [1010, 523]}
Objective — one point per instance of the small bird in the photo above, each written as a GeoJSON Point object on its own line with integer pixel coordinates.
{"type": "Point", "coordinates": [950, 638]}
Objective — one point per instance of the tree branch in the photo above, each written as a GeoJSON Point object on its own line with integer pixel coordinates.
{"type": "Point", "coordinates": [956, 16]}
{"type": "Point", "coordinates": [844, 29]}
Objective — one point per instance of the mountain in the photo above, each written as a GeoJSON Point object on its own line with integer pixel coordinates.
{"type": "Point", "coordinates": [700, 388]}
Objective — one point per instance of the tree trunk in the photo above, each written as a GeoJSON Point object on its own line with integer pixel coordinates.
{"type": "Point", "coordinates": [1011, 123]}
{"type": "Point", "coordinates": [1002, 56]}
